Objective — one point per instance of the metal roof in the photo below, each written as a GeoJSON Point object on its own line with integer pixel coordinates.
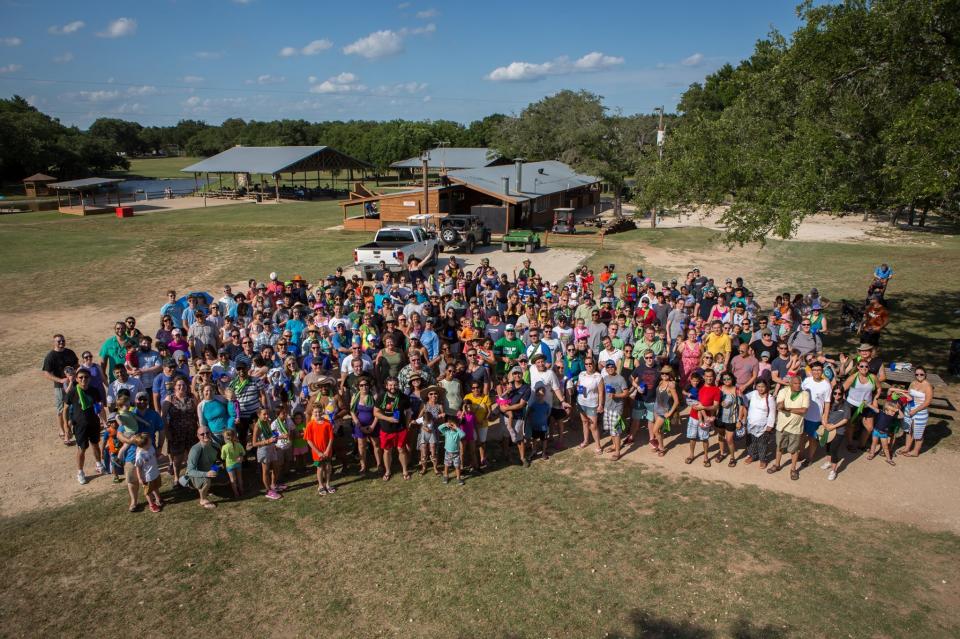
{"type": "Point", "coordinates": [275, 159]}
{"type": "Point", "coordinates": [452, 158]}
{"type": "Point", "coordinates": [85, 183]}
{"type": "Point", "coordinates": [539, 179]}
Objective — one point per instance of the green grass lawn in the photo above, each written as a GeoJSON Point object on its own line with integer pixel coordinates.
{"type": "Point", "coordinates": [571, 548]}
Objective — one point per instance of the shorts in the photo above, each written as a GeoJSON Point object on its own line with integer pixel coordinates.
{"type": "Point", "coordinates": [59, 396]}
{"type": "Point", "coordinates": [321, 462]}
{"type": "Point", "coordinates": [810, 428]}
{"type": "Point", "coordinates": [389, 441]}
{"type": "Point", "coordinates": [267, 454]}
{"type": "Point", "coordinates": [451, 459]}
{"type": "Point", "coordinates": [558, 413]}
{"type": "Point", "coordinates": [695, 433]}
{"type": "Point", "coordinates": [880, 435]}
{"type": "Point", "coordinates": [130, 472]}
{"type": "Point", "coordinates": [198, 483]}
{"type": "Point", "coordinates": [86, 435]}
{"type": "Point", "coordinates": [589, 411]}
{"type": "Point", "coordinates": [482, 434]}
{"type": "Point", "coordinates": [643, 411]}
{"type": "Point", "coordinates": [425, 438]}
{"type": "Point", "coordinates": [539, 434]}
{"type": "Point", "coordinates": [152, 486]}
{"type": "Point", "coordinates": [725, 426]}
{"type": "Point", "coordinates": [517, 430]}
{"type": "Point", "coordinates": [234, 467]}
{"type": "Point", "coordinates": [613, 423]}
{"type": "Point", "coordinates": [788, 442]}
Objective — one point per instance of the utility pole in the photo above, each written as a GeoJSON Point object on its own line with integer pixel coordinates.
{"type": "Point", "coordinates": [425, 159]}
{"type": "Point", "coordinates": [661, 134]}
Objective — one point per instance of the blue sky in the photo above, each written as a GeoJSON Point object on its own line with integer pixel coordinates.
{"type": "Point", "coordinates": [159, 61]}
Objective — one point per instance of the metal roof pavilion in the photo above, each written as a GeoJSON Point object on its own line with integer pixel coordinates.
{"type": "Point", "coordinates": [452, 158]}
{"type": "Point", "coordinates": [84, 184]}
{"type": "Point", "coordinates": [539, 179]}
{"type": "Point", "coordinates": [272, 160]}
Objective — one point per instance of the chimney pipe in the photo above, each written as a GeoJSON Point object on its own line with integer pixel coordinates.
{"type": "Point", "coordinates": [518, 162]}
{"type": "Point", "coordinates": [506, 185]}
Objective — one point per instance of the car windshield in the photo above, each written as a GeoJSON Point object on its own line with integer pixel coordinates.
{"type": "Point", "coordinates": [455, 223]}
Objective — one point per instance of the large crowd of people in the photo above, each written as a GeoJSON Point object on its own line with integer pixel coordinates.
{"type": "Point", "coordinates": [457, 371]}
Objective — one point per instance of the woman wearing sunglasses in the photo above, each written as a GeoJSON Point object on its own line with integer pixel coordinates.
{"type": "Point", "coordinates": [916, 414]}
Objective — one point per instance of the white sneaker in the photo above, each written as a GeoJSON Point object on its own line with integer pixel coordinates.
{"type": "Point", "coordinates": [832, 475]}
{"type": "Point", "coordinates": [826, 465]}
{"type": "Point", "coordinates": [99, 467]}
{"type": "Point", "coordinates": [81, 478]}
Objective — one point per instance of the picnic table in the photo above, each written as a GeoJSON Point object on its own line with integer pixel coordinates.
{"type": "Point", "coordinates": [906, 376]}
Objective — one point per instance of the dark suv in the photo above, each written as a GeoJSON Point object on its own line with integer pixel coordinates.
{"type": "Point", "coordinates": [463, 231]}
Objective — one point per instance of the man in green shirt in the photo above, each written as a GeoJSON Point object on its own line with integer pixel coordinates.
{"type": "Point", "coordinates": [113, 352]}
{"type": "Point", "coordinates": [508, 349]}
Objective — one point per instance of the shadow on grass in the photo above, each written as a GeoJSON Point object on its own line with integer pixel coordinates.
{"type": "Point", "coordinates": [648, 626]}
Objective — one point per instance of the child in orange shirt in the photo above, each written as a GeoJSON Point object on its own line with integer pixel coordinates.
{"type": "Point", "coordinates": [319, 436]}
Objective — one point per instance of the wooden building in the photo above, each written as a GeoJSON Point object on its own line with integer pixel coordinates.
{"type": "Point", "coordinates": [518, 195]}
{"type": "Point", "coordinates": [36, 185]}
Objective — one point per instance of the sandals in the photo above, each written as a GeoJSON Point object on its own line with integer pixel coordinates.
{"type": "Point", "coordinates": [423, 471]}
{"type": "Point", "coordinates": [386, 477]}
{"type": "Point", "coordinates": [406, 476]}
{"type": "Point", "coordinates": [772, 469]}
{"type": "Point", "coordinates": [732, 463]}
{"type": "Point", "coordinates": [614, 457]}
{"type": "Point", "coordinates": [599, 451]}
{"type": "Point", "coordinates": [794, 475]}
{"type": "Point", "coordinates": [720, 457]}
{"type": "Point", "coordinates": [748, 460]}
{"type": "Point", "coordinates": [209, 505]}
{"type": "Point", "coordinates": [331, 489]}
{"type": "Point", "coordinates": [321, 490]}
{"type": "Point", "coordinates": [871, 456]}
{"type": "Point", "coordinates": [891, 462]}
{"type": "Point", "coordinates": [661, 452]}
{"type": "Point", "coordinates": [688, 460]}
{"type": "Point", "coordinates": [583, 445]}
{"type": "Point", "coordinates": [706, 463]}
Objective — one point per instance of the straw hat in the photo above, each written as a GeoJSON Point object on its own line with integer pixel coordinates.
{"type": "Point", "coordinates": [433, 389]}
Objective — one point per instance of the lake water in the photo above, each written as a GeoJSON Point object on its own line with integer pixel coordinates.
{"type": "Point", "coordinates": [155, 188]}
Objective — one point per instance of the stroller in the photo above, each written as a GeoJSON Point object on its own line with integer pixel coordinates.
{"type": "Point", "coordinates": [851, 315]}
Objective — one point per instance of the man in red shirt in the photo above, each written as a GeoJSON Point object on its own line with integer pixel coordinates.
{"type": "Point", "coordinates": [702, 415]}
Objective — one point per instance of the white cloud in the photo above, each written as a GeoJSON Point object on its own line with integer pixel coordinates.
{"type": "Point", "coordinates": [11, 41]}
{"type": "Point", "coordinates": [402, 87]}
{"type": "Point", "coordinates": [67, 29]}
{"type": "Point", "coordinates": [146, 89]}
{"type": "Point", "coordinates": [312, 48]}
{"type": "Point", "coordinates": [63, 58]}
{"type": "Point", "coordinates": [693, 60]}
{"type": "Point", "coordinates": [208, 55]}
{"type": "Point", "coordinates": [532, 71]}
{"type": "Point", "coordinates": [403, 5]}
{"type": "Point", "coordinates": [192, 79]}
{"type": "Point", "coordinates": [243, 1]}
{"type": "Point", "coordinates": [427, 13]}
{"type": "Point", "coordinates": [130, 107]}
{"type": "Point", "coordinates": [316, 47]}
{"type": "Point", "coordinates": [342, 83]}
{"type": "Point", "coordinates": [427, 28]}
{"type": "Point", "coordinates": [596, 60]}
{"type": "Point", "coordinates": [95, 96]}
{"type": "Point", "coordinates": [119, 28]}
{"type": "Point", "coordinates": [10, 68]}
{"type": "Point", "coordinates": [35, 101]}
{"type": "Point", "coordinates": [378, 44]}
{"type": "Point", "coordinates": [266, 78]}
{"type": "Point", "coordinates": [194, 104]}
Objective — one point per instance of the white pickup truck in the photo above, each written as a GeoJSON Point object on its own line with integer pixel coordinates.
{"type": "Point", "coordinates": [395, 246]}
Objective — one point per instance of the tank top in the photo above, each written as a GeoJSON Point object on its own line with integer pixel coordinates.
{"type": "Point", "coordinates": [663, 401]}
{"type": "Point", "coordinates": [918, 397]}
{"type": "Point", "coordinates": [728, 407]}
{"type": "Point", "coordinates": [365, 412]}
{"type": "Point", "coordinates": [860, 392]}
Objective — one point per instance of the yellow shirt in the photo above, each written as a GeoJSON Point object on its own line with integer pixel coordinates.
{"type": "Point", "coordinates": [231, 453]}
{"type": "Point", "coordinates": [481, 408]}
{"type": "Point", "coordinates": [786, 421]}
{"type": "Point", "coordinates": [717, 344]}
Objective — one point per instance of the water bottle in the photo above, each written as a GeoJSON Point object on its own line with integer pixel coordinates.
{"type": "Point", "coordinates": [215, 468]}
{"type": "Point", "coordinates": [396, 414]}
{"type": "Point", "coordinates": [609, 388]}
{"type": "Point", "coordinates": [276, 433]}
{"type": "Point", "coordinates": [643, 387]}
{"type": "Point", "coordinates": [582, 389]}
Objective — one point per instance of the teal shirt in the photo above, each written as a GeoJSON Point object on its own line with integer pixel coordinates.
{"type": "Point", "coordinates": [451, 438]}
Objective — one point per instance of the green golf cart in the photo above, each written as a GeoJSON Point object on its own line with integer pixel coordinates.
{"type": "Point", "coordinates": [529, 241]}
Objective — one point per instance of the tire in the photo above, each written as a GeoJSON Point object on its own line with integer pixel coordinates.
{"type": "Point", "coordinates": [505, 247]}
{"type": "Point", "coordinates": [470, 245]}
{"type": "Point", "coordinates": [486, 239]}
{"type": "Point", "coordinates": [537, 246]}
{"type": "Point", "coordinates": [449, 236]}
{"type": "Point", "coordinates": [528, 248]}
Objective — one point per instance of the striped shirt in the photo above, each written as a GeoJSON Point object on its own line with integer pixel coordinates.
{"type": "Point", "coordinates": [248, 395]}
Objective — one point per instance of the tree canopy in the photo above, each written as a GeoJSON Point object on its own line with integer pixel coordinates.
{"type": "Point", "coordinates": [858, 111]}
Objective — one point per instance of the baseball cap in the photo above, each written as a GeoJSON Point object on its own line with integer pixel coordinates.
{"type": "Point", "coordinates": [143, 395]}
{"type": "Point", "coordinates": [273, 275]}
{"type": "Point", "coordinates": [765, 354]}
{"type": "Point", "coordinates": [766, 332]}
{"type": "Point", "coordinates": [356, 340]}
{"type": "Point", "coordinates": [509, 327]}
{"type": "Point", "coordinates": [516, 369]}
{"type": "Point", "coordinates": [610, 362]}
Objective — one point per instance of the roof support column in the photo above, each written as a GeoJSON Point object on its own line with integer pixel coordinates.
{"type": "Point", "coordinates": [276, 185]}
